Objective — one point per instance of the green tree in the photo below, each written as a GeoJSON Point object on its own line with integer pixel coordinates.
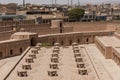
{"type": "Point", "coordinates": [76, 14]}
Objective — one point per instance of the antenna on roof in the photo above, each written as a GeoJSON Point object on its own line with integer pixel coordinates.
{"type": "Point", "coordinates": [23, 3]}
{"type": "Point", "coordinates": [78, 3]}
{"type": "Point", "coordinates": [55, 1]}
{"type": "Point", "coordinates": [52, 2]}
{"type": "Point", "coordinates": [71, 2]}
{"type": "Point", "coordinates": [68, 3]}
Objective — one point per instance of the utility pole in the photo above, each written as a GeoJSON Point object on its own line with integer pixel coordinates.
{"type": "Point", "coordinates": [78, 3]}
{"type": "Point", "coordinates": [52, 3]}
{"type": "Point", "coordinates": [68, 3]}
{"type": "Point", "coordinates": [71, 2]}
{"type": "Point", "coordinates": [24, 3]}
{"type": "Point", "coordinates": [55, 1]}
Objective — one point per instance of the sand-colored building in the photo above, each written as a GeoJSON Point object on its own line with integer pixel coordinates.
{"type": "Point", "coordinates": [14, 46]}
{"type": "Point", "coordinates": [109, 47]}
{"type": "Point", "coordinates": [62, 62]}
{"type": "Point", "coordinates": [58, 32]}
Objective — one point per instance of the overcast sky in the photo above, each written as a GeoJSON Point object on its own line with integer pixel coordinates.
{"type": "Point", "coordinates": [60, 1]}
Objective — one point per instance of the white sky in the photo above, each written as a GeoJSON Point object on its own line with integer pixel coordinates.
{"type": "Point", "coordinates": [60, 1]}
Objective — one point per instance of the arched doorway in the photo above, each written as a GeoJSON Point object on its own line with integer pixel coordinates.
{"type": "Point", "coordinates": [87, 39]}
{"type": "Point", "coordinates": [70, 42]}
{"type": "Point", "coordinates": [32, 42]}
{"type": "Point", "coordinates": [78, 41]}
{"type": "Point", "coordinates": [61, 27]}
{"type": "Point", "coordinates": [20, 50]}
{"type": "Point", "coordinates": [53, 43]}
{"type": "Point", "coordinates": [1, 54]}
{"type": "Point", "coordinates": [11, 52]}
{"type": "Point", "coordinates": [62, 42]}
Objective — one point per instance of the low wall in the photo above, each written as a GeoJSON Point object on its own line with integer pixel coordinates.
{"type": "Point", "coordinates": [13, 48]}
{"type": "Point", "coordinates": [69, 38]}
{"type": "Point", "coordinates": [5, 35]}
{"type": "Point", "coordinates": [116, 55]}
{"type": "Point", "coordinates": [90, 26]}
{"type": "Point", "coordinates": [105, 50]}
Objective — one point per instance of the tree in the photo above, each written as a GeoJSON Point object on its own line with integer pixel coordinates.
{"type": "Point", "coordinates": [76, 14]}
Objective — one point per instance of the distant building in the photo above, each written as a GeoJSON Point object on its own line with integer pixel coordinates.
{"type": "Point", "coordinates": [89, 17]}
{"type": "Point", "coordinates": [11, 17]}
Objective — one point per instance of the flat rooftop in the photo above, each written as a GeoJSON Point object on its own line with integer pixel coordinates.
{"type": "Point", "coordinates": [6, 65]}
{"type": "Point", "coordinates": [97, 66]}
{"type": "Point", "coordinates": [109, 41]}
{"type": "Point", "coordinates": [10, 40]}
{"type": "Point", "coordinates": [85, 32]}
{"type": "Point", "coordinates": [108, 65]}
{"type": "Point", "coordinates": [117, 49]}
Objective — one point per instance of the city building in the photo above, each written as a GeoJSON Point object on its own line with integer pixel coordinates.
{"type": "Point", "coordinates": [44, 45]}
